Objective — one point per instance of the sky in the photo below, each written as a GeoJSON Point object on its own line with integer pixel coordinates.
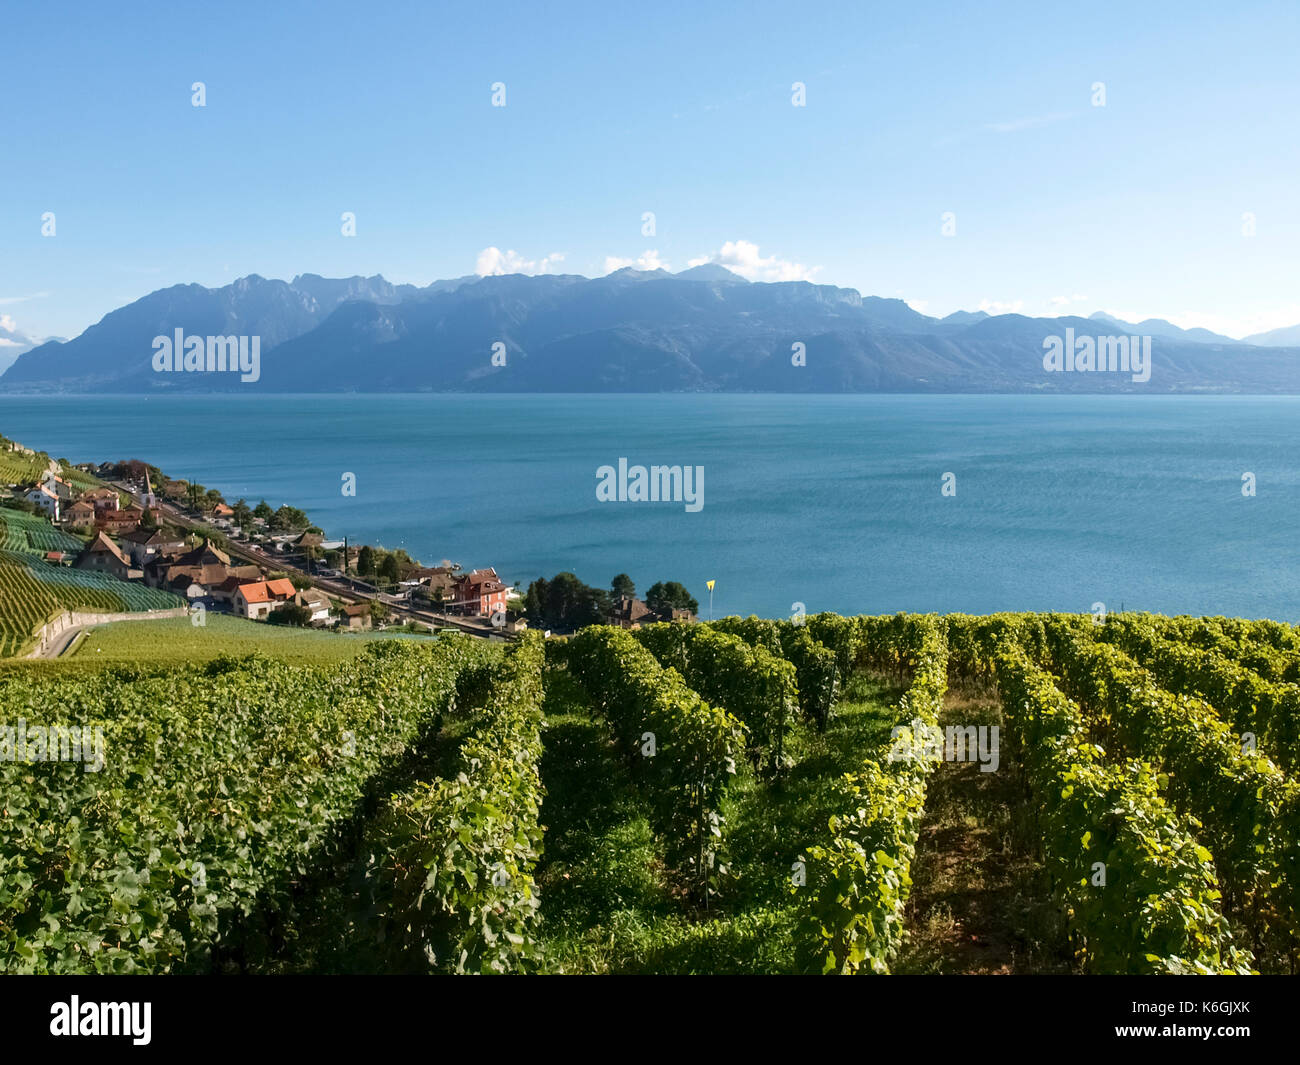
{"type": "Point", "coordinates": [1176, 199]}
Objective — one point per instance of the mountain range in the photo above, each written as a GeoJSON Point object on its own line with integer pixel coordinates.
{"type": "Point", "coordinates": [704, 329]}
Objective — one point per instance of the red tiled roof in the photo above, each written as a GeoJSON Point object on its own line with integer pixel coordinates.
{"type": "Point", "coordinates": [255, 593]}
{"type": "Point", "coordinates": [266, 591]}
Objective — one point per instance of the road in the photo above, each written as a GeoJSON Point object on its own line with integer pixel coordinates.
{"type": "Point", "coordinates": [63, 642]}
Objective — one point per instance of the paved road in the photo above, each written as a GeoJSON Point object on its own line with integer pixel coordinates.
{"type": "Point", "coordinates": [64, 641]}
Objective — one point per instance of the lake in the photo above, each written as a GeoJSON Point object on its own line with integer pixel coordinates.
{"type": "Point", "coordinates": [834, 502]}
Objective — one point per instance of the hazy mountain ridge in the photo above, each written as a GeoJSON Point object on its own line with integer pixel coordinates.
{"type": "Point", "coordinates": [705, 329]}
{"type": "Point", "coordinates": [1286, 337]}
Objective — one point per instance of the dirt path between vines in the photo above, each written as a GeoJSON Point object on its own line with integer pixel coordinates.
{"type": "Point", "coordinates": [979, 901]}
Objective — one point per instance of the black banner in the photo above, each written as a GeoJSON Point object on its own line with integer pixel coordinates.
{"type": "Point", "coordinates": [212, 1014]}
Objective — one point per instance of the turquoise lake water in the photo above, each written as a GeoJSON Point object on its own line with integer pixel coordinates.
{"type": "Point", "coordinates": [830, 501]}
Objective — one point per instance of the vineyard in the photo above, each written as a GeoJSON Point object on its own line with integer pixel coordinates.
{"type": "Point", "coordinates": [33, 591]}
{"type": "Point", "coordinates": [899, 794]}
{"type": "Point", "coordinates": [21, 467]}
{"type": "Point", "coordinates": [31, 534]}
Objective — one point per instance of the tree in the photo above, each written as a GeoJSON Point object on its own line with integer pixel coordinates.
{"type": "Point", "coordinates": [215, 537]}
{"type": "Point", "coordinates": [333, 558]}
{"type": "Point", "coordinates": [212, 498]}
{"type": "Point", "coordinates": [564, 602]}
{"type": "Point", "coordinates": [288, 518]}
{"type": "Point", "coordinates": [243, 513]}
{"type": "Point", "coordinates": [379, 611]}
{"type": "Point", "coordinates": [195, 493]}
{"type": "Point", "coordinates": [263, 510]}
{"type": "Point", "coordinates": [622, 587]}
{"type": "Point", "coordinates": [388, 569]}
{"type": "Point", "coordinates": [366, 561]}
{"type": "Point", "coordinates": [666, 596]}
{"type": "Point", "coordinates": [290, 614]}
{"type": "Point", "coordinates": [148, 520]}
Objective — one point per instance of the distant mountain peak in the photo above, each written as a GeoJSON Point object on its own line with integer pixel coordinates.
{"type": "Point", "coordinates": [711, 272]}
{"type": "Point", "coordinates": [633, 274]}
{"type": "Point", "coordinates": [1286, 337]}
{"type": "Point", "coordinates": [965, 317]}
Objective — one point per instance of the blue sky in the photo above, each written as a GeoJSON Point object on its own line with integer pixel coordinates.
{"type": "Point", "coordinates": [384, 110]}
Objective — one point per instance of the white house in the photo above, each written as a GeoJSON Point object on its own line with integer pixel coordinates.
{"type": "Point", "coordinates": [56, 484]}
{"type": "Point", "coordinates": [44, 498]}
{"type": "Point", "coordinates": [258, 599]}
{"type": "Point", "coordinates": [317, 604]}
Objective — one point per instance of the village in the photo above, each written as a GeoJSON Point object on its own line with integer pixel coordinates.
{"type": "Point", "coordinates": [274, 566]}
{"type": "Point", "coordinates": [195, 546]}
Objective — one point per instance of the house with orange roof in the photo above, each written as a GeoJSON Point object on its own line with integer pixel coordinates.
{"type": "Point", "coordinates": [258, 599]}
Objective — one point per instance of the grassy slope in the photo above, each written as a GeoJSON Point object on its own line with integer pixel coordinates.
{"type": "Point", "coordinates": [177, 641]}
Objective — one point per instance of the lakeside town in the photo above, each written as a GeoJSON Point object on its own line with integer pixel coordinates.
{"type": "Point", "coordinates": [141, 527]}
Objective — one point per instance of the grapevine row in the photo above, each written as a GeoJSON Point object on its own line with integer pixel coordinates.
{"type": "Point", "coordinates": [682, 750]}
{"type": "Point", "coordinates": [1140, 892]}
{"type": "Point", "coordinates": [456, 856]}
{"type": "Point", "coordinates": [1268, 710]}
{"type": "Point", "coordinates": [221, 787]}
{"type": "Point", "coordinates": [1249, 810]}
{"type": "Point", "coordinates": [858, 882]}
{"type": "Point", "coordinates": [754, 685]}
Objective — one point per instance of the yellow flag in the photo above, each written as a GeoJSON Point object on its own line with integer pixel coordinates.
{"type": "Point", "coordinates": [710, 584]}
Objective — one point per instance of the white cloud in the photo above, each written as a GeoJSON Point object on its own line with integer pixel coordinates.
{"type": "Point", "coordinates": [14, 339]}
{"type": "Point", "coordinates": [742, 257]}
{"type": "Point", "coordinates": [22, 299]}
{"type": "Point", "coordinates": [493, 261]}
{"type": "Point", "coordinates": [918, 305]}
{"type": "Point", "coordinates": [647, 260]}
{"type": "Point", "coordinates": [998, 307]}
{"type": "Point", "coordinates": [1064, 301]}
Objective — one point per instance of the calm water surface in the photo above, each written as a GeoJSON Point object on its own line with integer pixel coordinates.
{"type": "Point", "coordinates": [831, 501]}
